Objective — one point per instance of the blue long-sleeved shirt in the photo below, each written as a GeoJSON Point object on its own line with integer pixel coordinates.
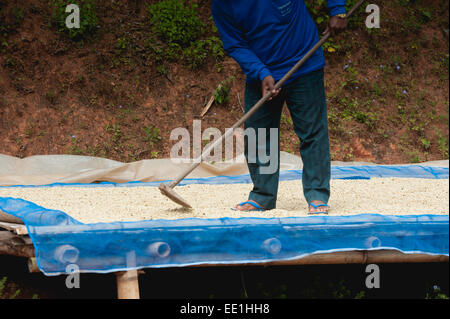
{"type": "Point", "coordinates": [268, 37]}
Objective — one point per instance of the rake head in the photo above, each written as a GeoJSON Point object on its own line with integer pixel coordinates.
{"type": "Point", "coordinates": [171, 194]}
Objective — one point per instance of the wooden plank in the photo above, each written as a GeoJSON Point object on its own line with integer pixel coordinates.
{"type": "Point", "coordinates": [347, 257]}
{"type": "Point", "coordinates": [6, 235]}
{"type": "Point", "coordinates": [13, 249]}
{"type": "Point", "coordinates": [128, 284]}
{"type": "Point", "coordinates": [16, 228]}
{"type": "Point", "coordinates": [10, 237]}
{"type": "Point", "coordinates": [15, 245]}
{"type": "Point", "coordinates": [5, 217]}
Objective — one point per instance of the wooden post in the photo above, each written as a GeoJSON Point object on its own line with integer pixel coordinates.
{"type": "Point", "coordinates": [32, 265]}
{"type": "Point", "coordinates": [127, 284]}
{"type": "Point", "coordinates": [128, 281]}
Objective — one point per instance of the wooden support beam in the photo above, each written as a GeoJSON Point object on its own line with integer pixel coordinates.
{"type": "Point", "coordinates": [18, 229]}
{"type": "Point", "coordinates": [4, 217]}
{"type": "Point", "coordinates": [32, 265]}
{"type": "Point", "coordinates": [18, 251]}
{"type": "Point", "coordinates": [128, 284]}
{"type": "Point", "coordinates": [14, 245]}
{"type": "Point", "coordinates": [8, 236]}
{"type": "Point", "coordinates": [349, 257]}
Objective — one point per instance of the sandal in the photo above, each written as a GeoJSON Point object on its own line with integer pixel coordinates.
{"type": "Point", "coordinates": [258, 208]}
{"type": "Point", "coordinates": [317, 206]}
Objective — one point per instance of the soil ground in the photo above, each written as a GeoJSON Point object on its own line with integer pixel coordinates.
{"type": "Point", "coordinates": [387, 88]}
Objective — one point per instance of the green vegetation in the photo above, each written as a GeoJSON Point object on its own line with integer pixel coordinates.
{"type": "Point", "coordinates": [73, 147]}
{"type": "Point", "coordinates": [88, 18]}
{"type": "Point", "coordinates": [152, 135]}
{"type": "Point", "coordinates": [443, 146]}
{"type": "Point", "coordinates": [197, 53]}
{"type": "Point", "coordinates": [9, 22]}
{"type": "Point", "coordinates": [175, 22]}
{"type": "Point", "coordinates": [10, 291]}
{"type": "Point", "coordinates": [2, 288]}
{"type": "Point", "coordinates": [115, 131]}
{"type": "Point", "coordinates": [180, 32]}
{"type": "Point", "coordinates": [121, 44]}
{"type": "Point", "coordinates": [353, 110]}
{"type": "Point", "coordinates": [222, 92]}
{"type": "Point", "coordinates": [436, 293]}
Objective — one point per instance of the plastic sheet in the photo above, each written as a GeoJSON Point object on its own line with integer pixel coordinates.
{"type": "Point", "coordinates": [49, 169]}
{"type": "Point", "coordinates": [61, 241]}
{"type": "Point", "coordinates": [337, 172]}
{"type": "Point", "coordinates": [161, 243]}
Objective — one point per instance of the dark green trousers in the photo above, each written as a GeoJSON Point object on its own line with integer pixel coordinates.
{"type": "Point", "coordinates": [305, 99]}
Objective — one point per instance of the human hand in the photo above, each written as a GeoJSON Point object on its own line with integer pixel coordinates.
{"type": "Point", "coordinates": [336, 25]}
{"type": "Point", "coordinates": [268, 85]}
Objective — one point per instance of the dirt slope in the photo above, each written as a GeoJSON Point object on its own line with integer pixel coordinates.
{"type": "Point", "coordinates": [387, 89]}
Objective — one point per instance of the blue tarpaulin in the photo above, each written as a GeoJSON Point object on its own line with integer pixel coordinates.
{"type": "Point", "coordinates": [60, 241]}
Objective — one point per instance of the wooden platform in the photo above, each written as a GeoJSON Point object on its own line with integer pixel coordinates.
{"type": "Point", "coordinates": [15, 241]}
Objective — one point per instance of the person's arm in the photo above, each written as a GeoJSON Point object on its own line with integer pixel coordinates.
{"type": "Point", "coordinates": [236, 45]}
{"type": "Point", "coordinates": [337, 23]}
{"type": "Point", "coordinates": [336, 7]}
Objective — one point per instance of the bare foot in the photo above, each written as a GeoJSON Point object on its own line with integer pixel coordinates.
{"type": "Point", "coordinates": [248, 207]}
{"type": "Point", "coordinates": [320, 209]}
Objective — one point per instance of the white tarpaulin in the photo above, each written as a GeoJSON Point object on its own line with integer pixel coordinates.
{"type": "Point", "coordinates": [48, 169]}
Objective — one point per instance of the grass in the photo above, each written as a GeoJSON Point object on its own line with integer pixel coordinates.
{"type": "Point", "coordinates": [122, 44]}
{"type": "Point", "coordinates": [222, 92]}
{"type": "Point", "coordinates": [152, 135]}
{"type": "Point", "coordinates": [88, 18]}
{"type": "Point", "coordinates": [436, 293]}
{"type": "Point", "coordinates": [175, 22]}
{"type": "Point", "coordinates": [9, 23]}
{"type": "Point", "coordinates": [116, 132]}
{"type": "Point", "coordinates": [357, 112]}
{"type": "Point", "coordinates": [10, 291]}
{"type": "Point", "coordinates": [181, 33]}
{"type": "Point", "coordinates": [443, 145]}
{"type": "Point", "coordinates": [73, 148]}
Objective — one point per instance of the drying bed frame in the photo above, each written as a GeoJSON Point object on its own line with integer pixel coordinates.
{"type": "Point", "coordinates": [52, 240]}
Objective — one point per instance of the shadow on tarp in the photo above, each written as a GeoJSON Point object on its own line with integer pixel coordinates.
{"type": "Point", "coordinates": [62, 242]}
